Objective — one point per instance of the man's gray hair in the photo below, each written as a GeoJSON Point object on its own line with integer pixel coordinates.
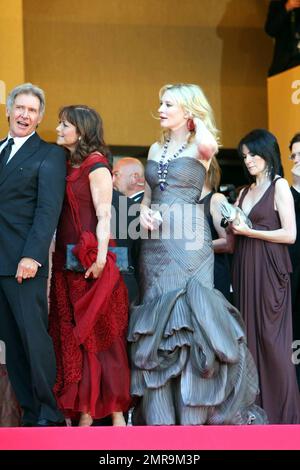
{"type": "Point", "coordinates": [27, 89]}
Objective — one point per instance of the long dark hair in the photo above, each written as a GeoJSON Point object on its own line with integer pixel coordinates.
{"type": "Point", "coordinates": [263, 143]}
{"type": "Point", "coordinates": [89, 127]}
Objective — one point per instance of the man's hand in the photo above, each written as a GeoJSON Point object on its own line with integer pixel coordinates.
{"type": "Point", "coordinates": [27, 268]}
{"type": "Point", "coordinates": [291, 4]}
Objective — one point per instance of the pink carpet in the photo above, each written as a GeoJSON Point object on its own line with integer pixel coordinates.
{"type": "Point", "coordinates": [283, 437]}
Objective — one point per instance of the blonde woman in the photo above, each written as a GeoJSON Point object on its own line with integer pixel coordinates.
{"type": "Point", "coordinates": [190, 364]}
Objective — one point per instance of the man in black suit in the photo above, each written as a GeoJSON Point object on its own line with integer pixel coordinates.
{"type": "Point", "coordinates": [283, 24]}
{"type": "Point", "coordinates": [294, 249]}
{"type": "Point", "coordinates": [129, 179]}
{"type": "Point", "coordinates": [32, 183]}
{"type": "Point", "coordinates": [124, 215]}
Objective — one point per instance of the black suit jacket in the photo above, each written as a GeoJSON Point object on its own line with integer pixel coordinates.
{"type": "Point", "coordinates": [125, 215]}
{"type": "Point", "coordinates": [121, 221]}
{"type": "Point", "coordinates": [282, 26]}
{"type": "Point", "coordinates": [32, 188]}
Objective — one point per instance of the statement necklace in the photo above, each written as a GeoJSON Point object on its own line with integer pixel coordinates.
{"type": "Point", "coordinates": [163, 165]}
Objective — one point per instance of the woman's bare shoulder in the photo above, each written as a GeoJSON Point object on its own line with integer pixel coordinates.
{"type": "Point", "coordinates": [153, 151]}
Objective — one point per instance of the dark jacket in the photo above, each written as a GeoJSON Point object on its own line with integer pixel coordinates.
{"type": "Point", "coordinates": [284, 27]}
{"type": "Point", "coordinates": [125, 219]}
{"type": "Point", "coordinates": [32, 188]}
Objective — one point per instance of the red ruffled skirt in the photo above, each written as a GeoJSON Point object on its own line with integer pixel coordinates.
{"type": "Point", "coordinates": [92, 363]}
{"type": "Point", "coordinates": [104, 385]}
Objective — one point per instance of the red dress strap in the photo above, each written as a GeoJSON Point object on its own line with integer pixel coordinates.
{"type": "Point", "coordinates": [90, 160]}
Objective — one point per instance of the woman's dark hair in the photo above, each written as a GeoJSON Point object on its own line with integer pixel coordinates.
{"type": "Point", "coordinates": [263, 143]}
{"type": "Point", "coordinates": [89, 127]}
{"type": "Point", "coordinates": [295, 139]}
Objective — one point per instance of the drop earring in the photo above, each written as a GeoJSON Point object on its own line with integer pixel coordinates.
{"type": "Point", "coordinates": [190, 125]}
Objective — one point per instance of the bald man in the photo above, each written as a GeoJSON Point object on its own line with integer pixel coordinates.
{"type": "Point", "coordinates": [128, 178]}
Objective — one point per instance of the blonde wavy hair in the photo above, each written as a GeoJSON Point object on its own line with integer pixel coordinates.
{"type": "Point", "coordinates": [213, 175]}
{"type": "Point", "coordinates": [192, 99]}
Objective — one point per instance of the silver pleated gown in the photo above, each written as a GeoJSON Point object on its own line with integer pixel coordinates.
{"type": "Point", "coordinates": [190, 363]}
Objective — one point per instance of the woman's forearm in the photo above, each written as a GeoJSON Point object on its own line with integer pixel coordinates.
{"type": "Point", "coordinates": [222, 245]}
{"type": "Point", "coordinates": [276, 236]}
{"type": "Point", "coordinates": [103, 236]}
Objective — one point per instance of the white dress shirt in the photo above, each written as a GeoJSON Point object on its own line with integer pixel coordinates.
{"type": "Point", "coordinates": [18, 142]}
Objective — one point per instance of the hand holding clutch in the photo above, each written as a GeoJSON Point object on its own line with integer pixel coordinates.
{"type": "Point", "coordinates": [150, 219]}
{"type": "Point", "coordinates": [156, 219]}
{"type": "Point", "coordinates": [233, 214]}
{"type": "Point", "coordinates": [81, 256]}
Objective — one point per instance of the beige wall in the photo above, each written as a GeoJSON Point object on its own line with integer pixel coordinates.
{"type": "Point", "coordinates": [11, 52]}
{"type": "Point", "coordinates": [115, 55]}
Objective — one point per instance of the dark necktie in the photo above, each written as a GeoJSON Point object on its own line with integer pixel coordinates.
{"type": "Point", "coordinates": [4, 155]}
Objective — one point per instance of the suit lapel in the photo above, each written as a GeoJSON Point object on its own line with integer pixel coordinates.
{"type": "Point", "coordinates": [31, 145]}
{"type": "Point", "coordinates": [2, 142]}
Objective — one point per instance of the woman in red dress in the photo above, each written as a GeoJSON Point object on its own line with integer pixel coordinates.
{"type": "Point", "coordinates": [89, 310]}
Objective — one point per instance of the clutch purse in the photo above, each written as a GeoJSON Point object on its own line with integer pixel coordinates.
{"type": "Point", "coordinates": [73, 263]}
{"type": "Point", "coordinates": [231, 213]}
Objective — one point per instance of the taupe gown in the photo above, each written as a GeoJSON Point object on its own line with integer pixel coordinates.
{"type": "Point", "coordinates": [262, 292]}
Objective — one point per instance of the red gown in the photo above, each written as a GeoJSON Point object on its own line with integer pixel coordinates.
{"type": "Point", "coordinates": [88, 318]}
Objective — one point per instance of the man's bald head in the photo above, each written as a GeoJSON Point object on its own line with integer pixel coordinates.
{"type": "Point", "coordinates": [128, 176]}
